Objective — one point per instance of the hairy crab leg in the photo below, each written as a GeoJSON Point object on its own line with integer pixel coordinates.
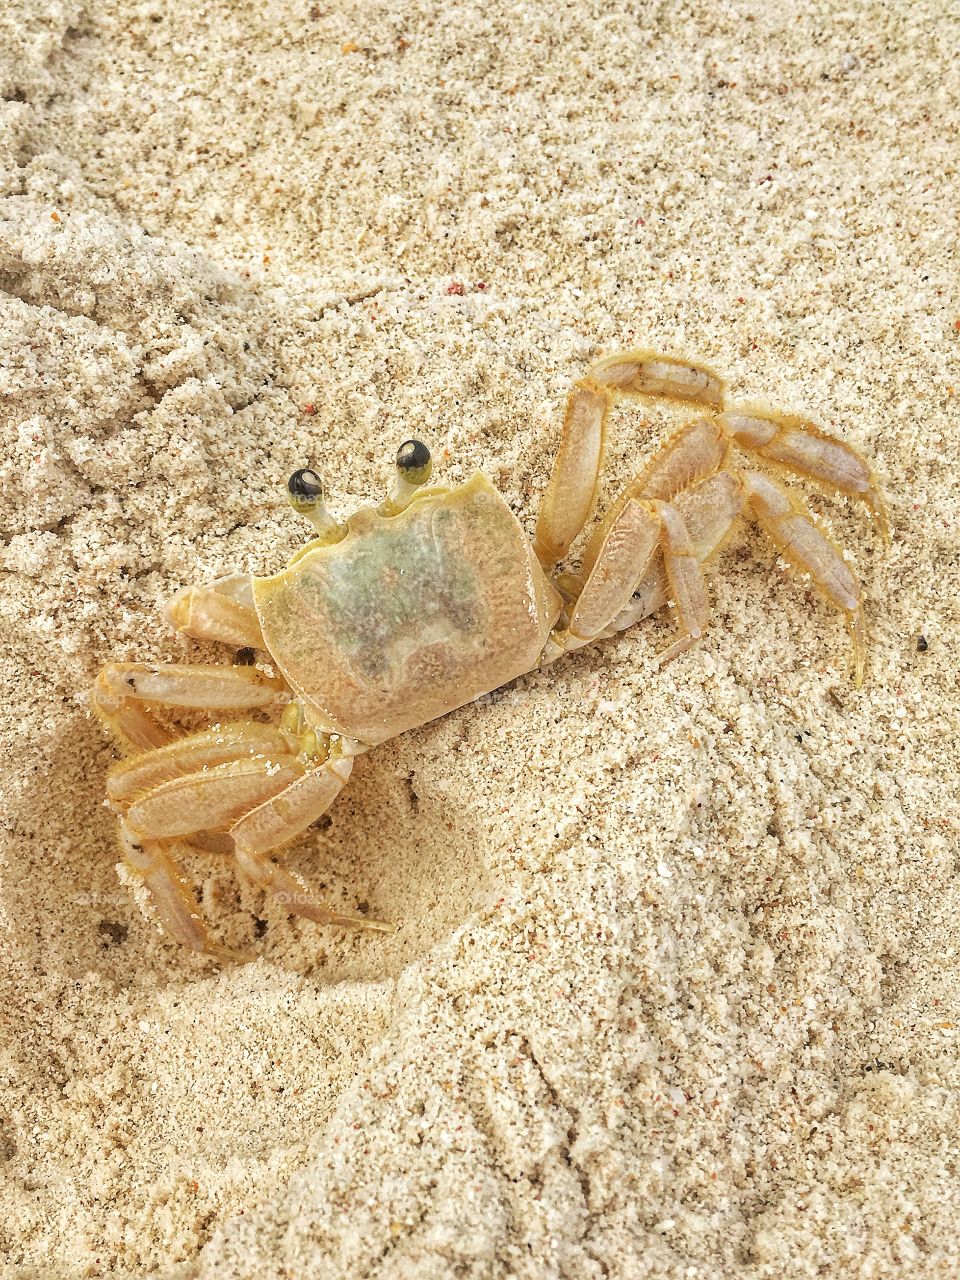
{"type": "Point", "coordinates": [693, 453]}
{"type": "Point", "coordinates": [263, 805]}
{"type": "Point", "coordinates": [153, 865]}
{"type": "Point", "coordinates": [203, 686]}
{"type": "Point", "coordinates": [685, 576]}
{"type": "Point", "coordinates": [211, 798]}
{"type": "Point", "coordinates": [709, 510]}
{"type": "Point", "coordinates": [804, 449]}
{"type": "Point", "coordinates": [571, 490]}
{"type": "Point", "coordinates": [624, 558]}
{"type": "Point", "coordinates": [130, 722]}
{"type": "Point", "coordinates": [278, 821]}
{"type": "Point", "coordinates": [222, 611]}
{"type": "Point", "coordinates": [630, 543]}
{"type": "Point", "coordinates": [143, 772]}
{"type": "Point", "coordinates": [790, 528]}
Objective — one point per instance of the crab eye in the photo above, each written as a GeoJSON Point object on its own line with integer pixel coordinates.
{"type": "Point", "coordinates": [413, 462]}
{"type": "Point", "coordinates": [305, 489]}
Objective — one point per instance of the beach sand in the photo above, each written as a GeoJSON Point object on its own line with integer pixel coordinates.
{"type": "Point", "coordinates": [674, 990]}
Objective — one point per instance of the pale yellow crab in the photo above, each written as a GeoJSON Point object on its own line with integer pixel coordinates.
{"type": "Point", "coordinates": [415, 607]}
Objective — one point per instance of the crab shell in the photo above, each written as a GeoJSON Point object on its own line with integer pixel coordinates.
{"type": "Point", "coordinates": [408, 616]}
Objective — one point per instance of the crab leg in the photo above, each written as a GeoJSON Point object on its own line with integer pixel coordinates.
{"type": "Point", "coordinates": [800, 447]}
{"type": "Point", "coordinates": [685, 577]}
{"type": "Point", "coordinates": [222, 611]}
{"type": "Point", "coordinates": [709, 511]}
{"type": "Point", "coordinates": [154, 866]}
{"type": "Point", "coordinates": [628, 546]}
{"type": "Point", "coordinates": [241, 780]}
{"type": "Point", "coordinates": [691, 454]}
{"type": "Point", "coordinates": [789, 527]}
{"type": "Point", "coordinates": [571, 490]}
{"type": "Point", "coordinates": [211, 798]}
{"type": "Point", "coordinates": [275, 823]}
{"type": "Point", "coordinates": [133, 724]}
{"type": "Point", "coordinates": [690, 507]}
{"type": "Point", "coordinates": [141, 773]}
{"type": "Point", "coordinates": [201, 686]}
{"type": "Point", "coordinates": [625, 557]}
{"type": "Point", "coordinates": [648, 373]}
{"type": "Point", "coordinates": [187, 806]}
{"type": "Point", "coordinates": [121, 688]}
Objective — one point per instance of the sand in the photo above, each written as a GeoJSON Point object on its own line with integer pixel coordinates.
{"type": "Point", "coordinates": [674, 990]}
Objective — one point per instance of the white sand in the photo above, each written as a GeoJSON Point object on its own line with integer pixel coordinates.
{"type": "Point", "coordinates": [675, 990]}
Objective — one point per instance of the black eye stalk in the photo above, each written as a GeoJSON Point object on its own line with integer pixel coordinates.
{"type": "Point", "coordinates": [305, 494]}
{"type": "Point", "coordinates": [414, 466]}
{"type": "Point", "coordinates": [413, 462]}
{"type": "Point", "coordinates": [305, 490]}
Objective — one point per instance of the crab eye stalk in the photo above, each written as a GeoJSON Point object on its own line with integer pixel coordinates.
{"type": "Point", "coordinates": [305, 495]}
{"type": "Point", "coordinates": [414, 466]}
{"type": "Point", "coordinates": [305, 490]}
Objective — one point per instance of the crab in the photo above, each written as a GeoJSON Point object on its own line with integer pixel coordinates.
{"type": "Point", "coordinates": [435, 597]}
